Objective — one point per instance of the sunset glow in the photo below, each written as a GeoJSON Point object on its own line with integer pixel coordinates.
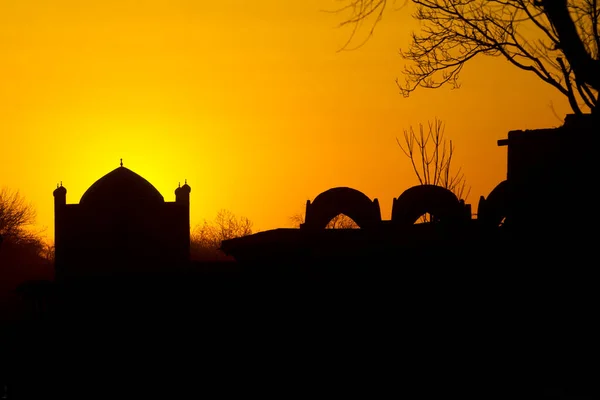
{"type": "Point", "coordinates": [250, 102]}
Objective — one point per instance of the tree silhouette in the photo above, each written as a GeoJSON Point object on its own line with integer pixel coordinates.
{"type": "Point", "coordinates": [23, 254]}
{"type": "Point", "coordinates": [557, 40]}
{"type": "Point", "coordinates": [340, 221]}
{"type": "Point", "coordinates": [48, 252]}
{"type": "Point", "coordinates": [17, 217]}
{"type": "Point", "coordinates": [22, 244]}
{"type": "Point", "coordinates": [431, 155]}
{"type": "Point", "coordinates": [206, 238]}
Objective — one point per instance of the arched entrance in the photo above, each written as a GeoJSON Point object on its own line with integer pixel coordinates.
{"type": "Point", "coordinates": [439, 202]}
{"type": "Point", "coordinates": [341, 200]}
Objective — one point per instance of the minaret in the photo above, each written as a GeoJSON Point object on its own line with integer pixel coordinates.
{"type": "Point", "coordinates": [182, 198]}
{"type": "Point", "coordinates": [60, 200]}
{"type": "Point", "coordinates": [60, 197]}
{"type": "Point", "coordinates": [182, 193]}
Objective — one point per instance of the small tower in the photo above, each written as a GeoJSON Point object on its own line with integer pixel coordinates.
{"type": "Point", "coordinates": [60, 196]}
{"type": "Point", "coordinates": [182, 198]}
{"type": "Point", "coordinates": [60, 201]}
{"type": "Point", "coordinates": [182, 193]}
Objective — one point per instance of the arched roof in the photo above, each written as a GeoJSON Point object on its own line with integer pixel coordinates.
{"type": "Point", "coordinates": [493, 209]}
{"type": "Point", "coordinates": [342, 200]}
{"type": "Point", "coordinates": [121, 185]}
{"type": "Point", "coordinates": [342, 195]}
{"type": "Point", "coordinates": [418, 200]}
{"type": "Point", "coordinates": [499, 194]}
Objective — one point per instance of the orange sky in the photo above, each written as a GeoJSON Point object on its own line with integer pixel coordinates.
{"type": "Point", "coordinates": [248, 100]}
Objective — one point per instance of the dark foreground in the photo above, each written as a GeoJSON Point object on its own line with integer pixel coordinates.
{"type": "Point", "coordinates": [506, 331]}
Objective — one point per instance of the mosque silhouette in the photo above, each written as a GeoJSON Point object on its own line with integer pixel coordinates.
{"type": "Point", "coordinates": [122, 224]}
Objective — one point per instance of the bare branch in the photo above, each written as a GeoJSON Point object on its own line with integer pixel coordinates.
{"type": "Point", "coordinates": [435, 155]}
{"type": "Point", "coordinates": [17, 225]}
{"type": "Point", "coordinates": [206, 238]}
{"type": "Point", "coordinates": [17, 217]}
{"type": "Point", "coordinates": [530, 34]}
{"type": "Point", "coordinates": [571, 95]}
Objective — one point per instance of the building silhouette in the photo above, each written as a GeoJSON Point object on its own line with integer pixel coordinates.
{"type": "Point", "coordinates": [538, 206]}
{"type": "Point", "coordinates": [377, 239]}
{"type": "Point", "coordinates": [549, 172]}
{"type": "Point", "coordinates": [122, 224]}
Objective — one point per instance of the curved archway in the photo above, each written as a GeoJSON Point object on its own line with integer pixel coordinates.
{"type": "Point", "coordinates": [437, 201]}
{"type": "Point", "coordinates": [342, 200]}
{"type": "Point", "coordinates": [493, 210]}
{"type": "Point", "coordinates": [342, 221]}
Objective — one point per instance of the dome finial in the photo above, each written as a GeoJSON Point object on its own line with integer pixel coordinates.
{"type": "Point", "coordinates": [121, 163]}
{"type": "Point", "coordinates": [60, 183]}
{"type": "Point", "coordinates": [186, 181]}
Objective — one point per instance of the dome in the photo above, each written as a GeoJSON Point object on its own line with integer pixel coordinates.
{"type": "Point", "coordinates": [121, 186]}
{"type": "Point", "coordinates": [186, 188]}
{"type": "Point", "coordinates": [60, 190]}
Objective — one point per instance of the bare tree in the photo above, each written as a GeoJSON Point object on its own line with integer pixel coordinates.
{"type": "Point", "coordinates": [430, 155]}
{"type": "Point", "coordinates": [340, 221]}
{"type": "Point", "coordinates": [22, 243]}
{"type": "Point", "coordinates": [17, 218]}
{"type": "Point", "coordinates": [557, 40]}
{"type": "Point", "coordinates": [296, 220]}
{"type": "Point", "coordinates": [206, 238]}
{"type": "Point", "coordinates": [49, 252]}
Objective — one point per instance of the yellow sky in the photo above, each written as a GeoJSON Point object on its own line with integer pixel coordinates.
{"type": "Point", "coordinates": [248, 100]}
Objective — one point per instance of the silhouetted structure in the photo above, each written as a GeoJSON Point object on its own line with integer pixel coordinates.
{"type": "Point", "coordinates": [335, 201]}
{"type": "Point", "coordinates": [547, 188]}
{"type": "Point", "coordinates": [122, 224]}
{"type": "Point", "coordinates": [545, 197]}
{"type": "Point", "coordinates": [548, 170]}
{"type": "Point", "coordinates": [493, 210]}
{"type": "Point", "coordinates": [376, 239]}
{"type": "Point", "coordinates": [437, 201]}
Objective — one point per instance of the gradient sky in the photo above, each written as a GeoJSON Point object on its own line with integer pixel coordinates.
{"type": "Point", "coordinates": [250, 101]}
